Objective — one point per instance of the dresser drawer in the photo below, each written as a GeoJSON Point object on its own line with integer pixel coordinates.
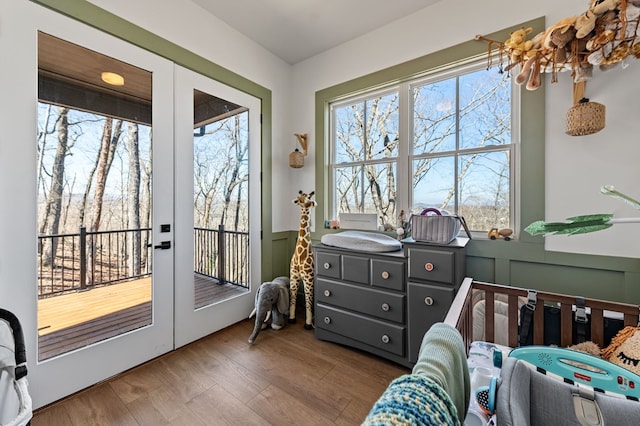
{"type": "Point", "coordinates": [368, 301]}
{"type": "Point", "coordinates": [427, 305]}
{"type": "Point", "coordinates": [386, 274]}
{"type": "Point", "coordinates": [431, 265]}
{"type": "Point", "coordinates": [355, 269]}
{"type": "Point", "coordinates": [327, 264]}
{"type": "Point", "coordinates": [376, 333]}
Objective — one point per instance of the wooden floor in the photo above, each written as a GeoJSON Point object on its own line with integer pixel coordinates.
{"type": "Point", "coordinates": [75, 320]}
{"type": "Point", "coordinates": [287, 377]}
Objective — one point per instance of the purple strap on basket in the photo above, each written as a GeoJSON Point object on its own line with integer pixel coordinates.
{"type": "Point", "coordinates": [430, 210]}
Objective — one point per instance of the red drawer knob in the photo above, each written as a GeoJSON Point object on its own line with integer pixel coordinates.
{"type": "Point", "coordinates": [428, 266]}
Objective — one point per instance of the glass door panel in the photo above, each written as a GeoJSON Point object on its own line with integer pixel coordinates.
{"type": "Point", "coordinates": [217, 135]}
{"type": "Point", "coordinates": [94, 171]}
{"type": "Point", "coordinates": [220, 199]}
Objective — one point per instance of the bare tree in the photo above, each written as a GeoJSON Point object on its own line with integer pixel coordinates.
{"type": "Point", "coordinates": [234, 178]}
{"type": "Point", "coordinates": [133, 198]}
{"type": "Point", "coordinates": [53, 207]}
{"type": "Point", "coordinates": [43, 134]}
{"type": "Point", "coordinates": [110, 136]}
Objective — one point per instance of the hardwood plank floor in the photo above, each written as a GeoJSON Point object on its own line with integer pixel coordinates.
{"type": "Point", "coordinates": [287, 377]}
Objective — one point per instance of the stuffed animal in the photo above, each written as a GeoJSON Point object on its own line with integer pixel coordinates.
{"type": "Point", "coordinates": [557, 39]}
{"type": "Point", "coordinates": [624, 349]}
{"type": "Point", "coordinates": [517, 44]}
{"type": "Point", "coordinates": [588, 347]}
{"type": "Point", "coordinates": [586, 22]}
{"type": "Point", "coordinates": [613, 37]}
{"type": "Point", "coordinates": [272, 300]}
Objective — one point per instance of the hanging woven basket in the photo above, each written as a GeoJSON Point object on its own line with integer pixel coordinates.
{"type": "Point", "coordinates": [296, 159]}
{"type": "Point", "coordinates": [585, 118]}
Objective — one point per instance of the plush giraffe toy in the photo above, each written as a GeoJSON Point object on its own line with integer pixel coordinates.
{"type": "Point", "coordinates": [301, 268]}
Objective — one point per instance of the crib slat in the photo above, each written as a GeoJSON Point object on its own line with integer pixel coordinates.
{"type": "Point", "coordinates": [630, 319]}
{"type": "Point", "coordinates": [513, 320]}
{"type": "Point", "coordinates": [566, 325]}
{"type": "Point", "coordinates": [597, 325]}
{"type": "Point", "coordinates": [489, 316]}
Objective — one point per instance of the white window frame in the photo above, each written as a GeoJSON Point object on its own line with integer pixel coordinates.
{"type": "Point", "coordinates": [404, 160]}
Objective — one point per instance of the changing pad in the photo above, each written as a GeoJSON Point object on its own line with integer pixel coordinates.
{"type": "Point", "coordinates": [363, 241]}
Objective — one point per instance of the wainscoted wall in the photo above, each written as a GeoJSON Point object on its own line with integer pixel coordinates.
{"type": "Point", "coordinates": [525, 265]}
{"type": "Point", "coordinates": [530, 266]}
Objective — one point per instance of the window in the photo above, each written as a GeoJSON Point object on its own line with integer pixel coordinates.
{"type": "Point", "coordinates": [452, 147]}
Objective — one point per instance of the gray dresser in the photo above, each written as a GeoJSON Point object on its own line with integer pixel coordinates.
{"type": "Point", "coordinates": [383, 303]}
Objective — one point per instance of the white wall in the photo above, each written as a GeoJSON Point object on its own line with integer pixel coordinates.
{"type": "Point", "coordinates": [195, 29]}
{"type": "Point", "coordinates": [576, 167]}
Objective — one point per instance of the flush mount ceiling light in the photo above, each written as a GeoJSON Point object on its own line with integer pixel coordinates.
{"type": "Point", "coordinates": [112, 78]}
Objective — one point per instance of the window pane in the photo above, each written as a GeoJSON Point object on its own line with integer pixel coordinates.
{"type": "Point", "coordinates": [380, 191]}
{"type": "Point", "coordinates": [485, 109]}
{"type": "Point", "coordinates": [367, 130]}
{"type": "Point", "coordinates": [434, 184]}
{"type": "Point", "coordinates": [382, 127]}
{"type": "Point", "coordinates": [484, 190]}
{"type": "Point", "coordinates": [349, 136]}
{"type": "Point", "coordinates": [434, 117]}
{"type": "Point", "coordinates": [348, 189]}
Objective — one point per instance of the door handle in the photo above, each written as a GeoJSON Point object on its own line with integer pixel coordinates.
{"type": "Point", "coordinates": [164, 245]}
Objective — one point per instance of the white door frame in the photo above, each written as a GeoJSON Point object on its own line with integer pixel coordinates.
{"type": "Point", "coordinates": [191, 324]}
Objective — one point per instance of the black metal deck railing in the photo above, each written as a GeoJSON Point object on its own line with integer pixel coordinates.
{"type": "Point", "coordinates": [73, 262]}
{"type": "Point", "coordinates": [221, 254]}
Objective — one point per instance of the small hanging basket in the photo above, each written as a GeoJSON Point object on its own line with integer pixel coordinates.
{"type": "Point", "coordinates": [296, 159]}
{"type": "Point", "coordinates": [585, 118]}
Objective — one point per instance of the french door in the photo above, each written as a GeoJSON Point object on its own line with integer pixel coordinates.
{"type": "Point", "coordinates": [123, 201]}
{"type": "Point", "coordinates": [113, 143]}
{"type": "Point", "coordinates": [217, 204]}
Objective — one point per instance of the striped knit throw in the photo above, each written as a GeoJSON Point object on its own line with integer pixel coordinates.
{"type": "Point", "coordinates": [413, 400]}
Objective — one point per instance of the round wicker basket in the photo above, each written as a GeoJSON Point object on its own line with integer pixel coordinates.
{"type": "Point", "coordinates": [585, 118]}
{"type": "Point", "coordinates": [296, 159]}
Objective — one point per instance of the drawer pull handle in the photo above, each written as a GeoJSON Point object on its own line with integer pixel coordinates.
{"type": "Point", "coordinates": [385, 275]}
{"type": "Point", "coordinates": [428, 266]}
{"type": "Point", "coordinates": [327, 320]}
{"type": "Point", "coordinates": [385, 338]}
{"type": "Point", "coordinates": [428, 300]}
{"type": "Point", "coordinates": [327, 293]}
{"type": "Point", "coordinates": [385, 307]}
{"type": "Point", "coordinates": [327, 265]}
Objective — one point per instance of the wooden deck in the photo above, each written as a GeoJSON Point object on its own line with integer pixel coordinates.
{"type": "Point", "coordinates": [75, 320]}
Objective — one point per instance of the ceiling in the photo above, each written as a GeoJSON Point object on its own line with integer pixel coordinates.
{"type": "Point", "coordinates": [295, 30]}
{"type": "Point", "coordinates": [70, 75]}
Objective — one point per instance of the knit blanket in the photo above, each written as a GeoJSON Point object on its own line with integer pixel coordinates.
{"type": "Point", "coordinates": [437, 390]}
{"type": "Point", "coordinates": [413, 400]}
